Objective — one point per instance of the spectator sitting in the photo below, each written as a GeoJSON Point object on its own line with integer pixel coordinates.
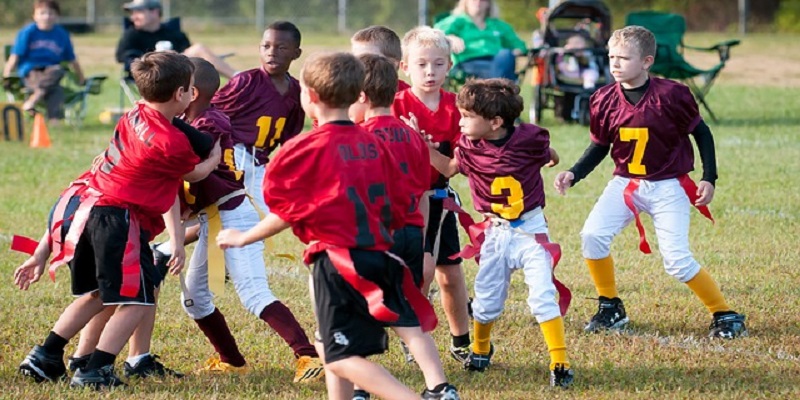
{"type": "Point", "coordinates": [149, 34]}
{"type": "Point", "coordinates": [38, 52]}
{"type": "Point", "coordinates": [575, 66]}
{"type": "Point", "coordinates": [483, 46]}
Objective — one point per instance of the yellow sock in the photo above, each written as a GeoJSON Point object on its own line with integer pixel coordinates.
{"type": "Point", "coordinates": [483, 338]}
{"type": "Point", "coordinates": [553, 332]}
{"type": "Point", "coordinates": [602, 272]}
{"type": "Point", "coordinates": [706, 289]}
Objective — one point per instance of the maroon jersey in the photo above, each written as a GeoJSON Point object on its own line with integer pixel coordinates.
{"type": "Point", "coordinates": [143, 165]}
{"type": "Point", "coordinates": [649, 140]}
{"type": "Point", "coordinates": [505, 180]}
{"type": "Point", "coordinates": [261, 117]}
{"type": "Point", "coordinates": [225, 179]}
{"type": "Point", "coordinates": [441, 124]}
{"type": "Point", "coordinates": [337, 186]}
{"type": "Point", "coordinates": [411, 153]}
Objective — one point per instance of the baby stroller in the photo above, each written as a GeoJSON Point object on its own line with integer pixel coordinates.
{"type": "Point", "coordinates": [572, 61]}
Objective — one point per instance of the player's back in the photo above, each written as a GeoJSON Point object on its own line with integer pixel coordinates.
{"type": "Point", "coordinates": [335, 185]}
{"type": "Point", "coordinates": [411, 154]}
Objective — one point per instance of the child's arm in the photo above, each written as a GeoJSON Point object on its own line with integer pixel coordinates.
{"type": "Point", "coordinates": [76, 68]}
{"type": "Point", "coordinates": [590, 159]}
{"type": "Point", "coordinates": [31, 270]}
{"type": "Point", "coordinates": [553, 158]}
{"type": "Point", "coordinates": [172, 219]}
{"type": "Point", "coordinates": [207, 166]}
{"type": "Point", "coordinates": [269, 226]}
{"type": "Point", "coordinates": [11, 65]}
{"type": "Point", "coordinates": [705, 146]}
{"type": "Point", "coordinates": [445, 165]}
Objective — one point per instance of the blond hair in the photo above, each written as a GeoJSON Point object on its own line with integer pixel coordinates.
{"type": "Point", "coordinates": [635, 37]}
{"type": "Point", "coordinates": [338, 78]}
{"type": "Point", "coordinates": [461, 8]}
{"type": "Point", "coordinates": [425, 37]}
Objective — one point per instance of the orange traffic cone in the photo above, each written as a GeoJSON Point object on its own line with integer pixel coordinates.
{"type": "Point", "coordinates": [39, 136]}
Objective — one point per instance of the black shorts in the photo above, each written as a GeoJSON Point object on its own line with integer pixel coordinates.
{"type": "Point", "coordinates": [346, 328]}
{"type": "Point", "coordinates": [97, 264]}
{"type": "Point", "coordinates": [69, 212]}
{"type": "Point", "coordinates": [408, 246]}
{"type": "Point", "coordinates": [449, 243]}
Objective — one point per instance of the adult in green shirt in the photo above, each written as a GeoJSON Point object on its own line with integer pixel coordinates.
{"type": "Point", "coordinates": [483, 45]}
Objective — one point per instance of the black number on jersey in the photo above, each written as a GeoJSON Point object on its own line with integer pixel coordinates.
{"type": "Point", "coordinates": [365, 237]}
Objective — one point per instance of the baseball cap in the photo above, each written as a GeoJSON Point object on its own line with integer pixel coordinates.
{"type": "Point", "coordinates": [142, 5]}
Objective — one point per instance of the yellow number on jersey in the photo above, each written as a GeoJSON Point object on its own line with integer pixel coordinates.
{"type": "Point", "coordinates": [515, 198]}
{"type": "Point", "coordinates": [641, 136]}
{"type": "Point", "coordinates": [264, 126]}
{"type": "Point", "coordinates": [227, 158]}
{"type": "Point", "coordinates": [190, 199]}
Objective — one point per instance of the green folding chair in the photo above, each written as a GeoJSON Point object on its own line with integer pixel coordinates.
{"type": "Point", "coordinates": [670, 63]}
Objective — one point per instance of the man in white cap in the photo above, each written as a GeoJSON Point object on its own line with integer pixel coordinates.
{"type": "Point", "coordinates": [149, 34]}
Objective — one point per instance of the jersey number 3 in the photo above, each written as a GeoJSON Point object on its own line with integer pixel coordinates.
{"type": "Point", "coordinates": [641, 136]}
{"type": "Point", "coordinates": [515, 197]}
{"type": "Point", "coordinates": [264, 126]}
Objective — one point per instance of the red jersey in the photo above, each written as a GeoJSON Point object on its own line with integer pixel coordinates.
{"type": "Point", "coordinates": [337, 185]}
{"type": "Point", "coordinates": [225, 179]}
{"type": "Point", "coordinates": [506, 180]}
{"type": "Point", "coordinates": [261, 117]}
{"type": "Point", "coordinates": [411, 153]}
{"type": "Point", "coordinates": [402, 85]}
{"type": "Point", "coordinates": [441, 124]}
{"type": "Point", "coordinates": [143, 166]}
{"type": "Point", "coordinates": [649, 140]}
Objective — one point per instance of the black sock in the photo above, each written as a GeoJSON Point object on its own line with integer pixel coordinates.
{"type": "Point", "coordinates": [54, 343]}
{"type": "Point", "coordinates": [100, 359]}
{"type": "Point", "coordinates": [461, 341]}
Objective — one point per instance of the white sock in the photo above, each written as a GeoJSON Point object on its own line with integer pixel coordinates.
{"type": "Point", "coordinates": [134, 361]}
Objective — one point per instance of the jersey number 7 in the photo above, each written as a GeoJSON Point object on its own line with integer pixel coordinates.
{"type": "Point", "coordinates": [641, 136]}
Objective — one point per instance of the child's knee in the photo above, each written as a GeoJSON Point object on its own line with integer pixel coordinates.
{"type": "Point", "coordinates": [595, 244]}
{"type": "Point", "coordinates": [682, 269]}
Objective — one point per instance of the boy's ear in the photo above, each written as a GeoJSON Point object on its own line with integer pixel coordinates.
{"type": "Point", "coordinates": [404, 67]}
{"type": "Point", "coordinates": [313, 96]}
{"type": "Point", "coordinates": [362, 98]}
{"type": "Point", "coordinates": [648, 62]}
{"type": "Point", "coordinates": [496, 123]}
{"type": "Point", "coordinates": [297, 54]}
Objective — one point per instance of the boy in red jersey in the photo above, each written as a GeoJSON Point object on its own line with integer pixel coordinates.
{"type": "Point", "coordinates": [121, 210]}
{"type": "Point", "coordinates": [433, 111]}
{"type": "Point", "coordinates": [373, 112]}
{"type": "Point", "coordinates": [336, 190]}
{"type": "Point", "coordinates": [264, 105]}
{"type": "Point", "coordinates": [378, 39]}
{"type": "Point", "coordinates": [502, 163]}
{"type": "Point", "coordinates": [220, 201]}
{"type": "Point", "coordinates": [645, 123]}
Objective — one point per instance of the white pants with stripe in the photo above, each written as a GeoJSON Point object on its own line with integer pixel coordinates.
{"type": "Point", "coordinates": [253, 175]}
{"type": "Point", "coordinates": [505, 250]}
{"type": "Point", "coordinates": [245, 267]}
{"type": "Point", "coordinates": [665, 201]}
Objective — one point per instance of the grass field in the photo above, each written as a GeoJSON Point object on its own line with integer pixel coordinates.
{"type": "Point", "coordinates": [751, 251]}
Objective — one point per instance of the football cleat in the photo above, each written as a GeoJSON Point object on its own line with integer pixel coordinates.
{"type": "Point", "coordinates": [728, 326]}
{"type": "Point", "coordinates": [308, 369]}
{"type": "Point", "coordinates": [160, 260]}
{"type": "Point", "coordinates": [216, 366]}
{"type": "Point", "coordinates": [479, 362]}
{"type": "Point", "coordinates": [359, 394]}
{"type": "Point", "coordinates": [74, 363]}
{"type": "Point", "coordinates": [459, 354]}
{"type": "Point", "coordinates": [561, 377]}
{"type": "Point", "coordinates": [449, 392]}
{"type": "Point", "coordinates": [97, 379]}
{"type": "Point", "coordinates": [610, 316]}
{"type": "Point", "coordinates": [43, 366]}
{"type": "Point", "coordinates": [149, 366]}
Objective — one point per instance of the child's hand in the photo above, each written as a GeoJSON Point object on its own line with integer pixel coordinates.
{"type": "Point", "coordinates": [553, 158]}
{"type": "Point", "coordinates": [411, 121]}
{"type": "Point", "coordinates": [216, 152]}
{"type": "Point", "coordinates": [705, 193]}
{"type": "Point", "coordinates": [97, 162]}
{"type": "Point", "coordinates": [177, 259]}
{"type": "Point", "coordinates": [429, 141]}
{"type": "Point", "coordinates": [227, 238]}
{"type": "Point", "coordinates": [563, 182]}
{"type": "Point", "coordinates": [29, 272]}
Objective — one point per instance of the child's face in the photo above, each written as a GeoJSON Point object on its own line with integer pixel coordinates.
{"type": "Point", "coordinates": [575, 42]}
{"type": "Point", "coordinates": [627, 64]}
{"type": "Point", "coordinates": [45, 18]}
{"type": "Point", "coordinates": [474, 126]}
{"type": "Point", "coordinates": [305, 100]}
{"type": "Point", "coordinates": [427, 67]}
{"type": "Point", "coordinates": [185, 97]}
{"type": "Point", "coordinates": [278, 50]}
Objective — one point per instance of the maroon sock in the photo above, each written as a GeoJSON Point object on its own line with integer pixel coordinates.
{"type": "Point", "coordinates": [216, 330]}
{"type": "Point", "coordinates": [279, 318]}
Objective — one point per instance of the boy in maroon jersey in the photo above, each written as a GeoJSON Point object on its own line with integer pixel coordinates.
{"type": "Point", "coordinates": [121, 210]}
{"type": "Point", "coordinates": [336, 190]}
{"type": "Point", "coordinates": [220, 201]}
{"type": "Point", "coordinates": [264, 105]}
{"type": "Point", "coordinates": [645, 123]}
{"type": "Point", "coordinates": [432, 111]}
{"type": "Point", "coordinates": [502, 163]}
{"type": "Point", "coordinates": [373, 112]}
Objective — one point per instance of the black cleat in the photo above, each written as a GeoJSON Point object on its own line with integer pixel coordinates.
{"type": "Point", "coordinates": [160, 260]}
{"type": "Point", "coordinates": [43, 366]}
{"type": "Point", "coordinates": [359, 394]}
{"type": "Point", "coordinates": [149, 366]}
{"type": "Point", "coordinates": [479, 362]}
{"type": "Point", "coordinates": [75, 363]}
{"type": "Point", "coordinates": [561, 377]}
{"type": "Point", "coordinates": [459, 354]}
{"type": "Point", "coordinates": [97, 379]}
{"type": "Point", "coordinates": [728, 326]}
{"type": "Point", "coordinates": [610, 316]}
{"type": "Point", "coordinates": [449, 392]}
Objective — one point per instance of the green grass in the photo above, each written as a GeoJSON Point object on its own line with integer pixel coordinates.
{"type": "Point", "coordinates": [751, 251]}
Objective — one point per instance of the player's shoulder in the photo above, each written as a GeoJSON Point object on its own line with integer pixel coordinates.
{"type": "Point", "coordinates": [670, 89]}
{"type": "Point", "coordinates": [213, 116]}
{"type": "Point", "coordinates": [447, 99]}
{"type": "Point", "coordinates": [605, 92]}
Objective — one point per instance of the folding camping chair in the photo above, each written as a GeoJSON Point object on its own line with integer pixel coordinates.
{"type": "Point", "coordinates": [670, 63]}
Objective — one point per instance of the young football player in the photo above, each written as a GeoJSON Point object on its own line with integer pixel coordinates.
{"type": "Point", "coordinates": [373, 112]}
{"type": "Point", "coordinates": [337, 189]}
{"type": "Point", "coordinates": [432, 111]}
{"type": "Point", "coordinates": [378, 39]}
{"type": "Point", "coordinates": [120, 211]}
{"type": "Point", "coordinates": [264, 105]}
{"type": "Point", "coordinates": [645, 123]}
{"type": "Point", "coordinates": [502, 163]}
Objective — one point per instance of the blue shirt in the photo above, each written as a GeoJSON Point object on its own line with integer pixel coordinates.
{"type": "Point", "coordinates": [37, 48]}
